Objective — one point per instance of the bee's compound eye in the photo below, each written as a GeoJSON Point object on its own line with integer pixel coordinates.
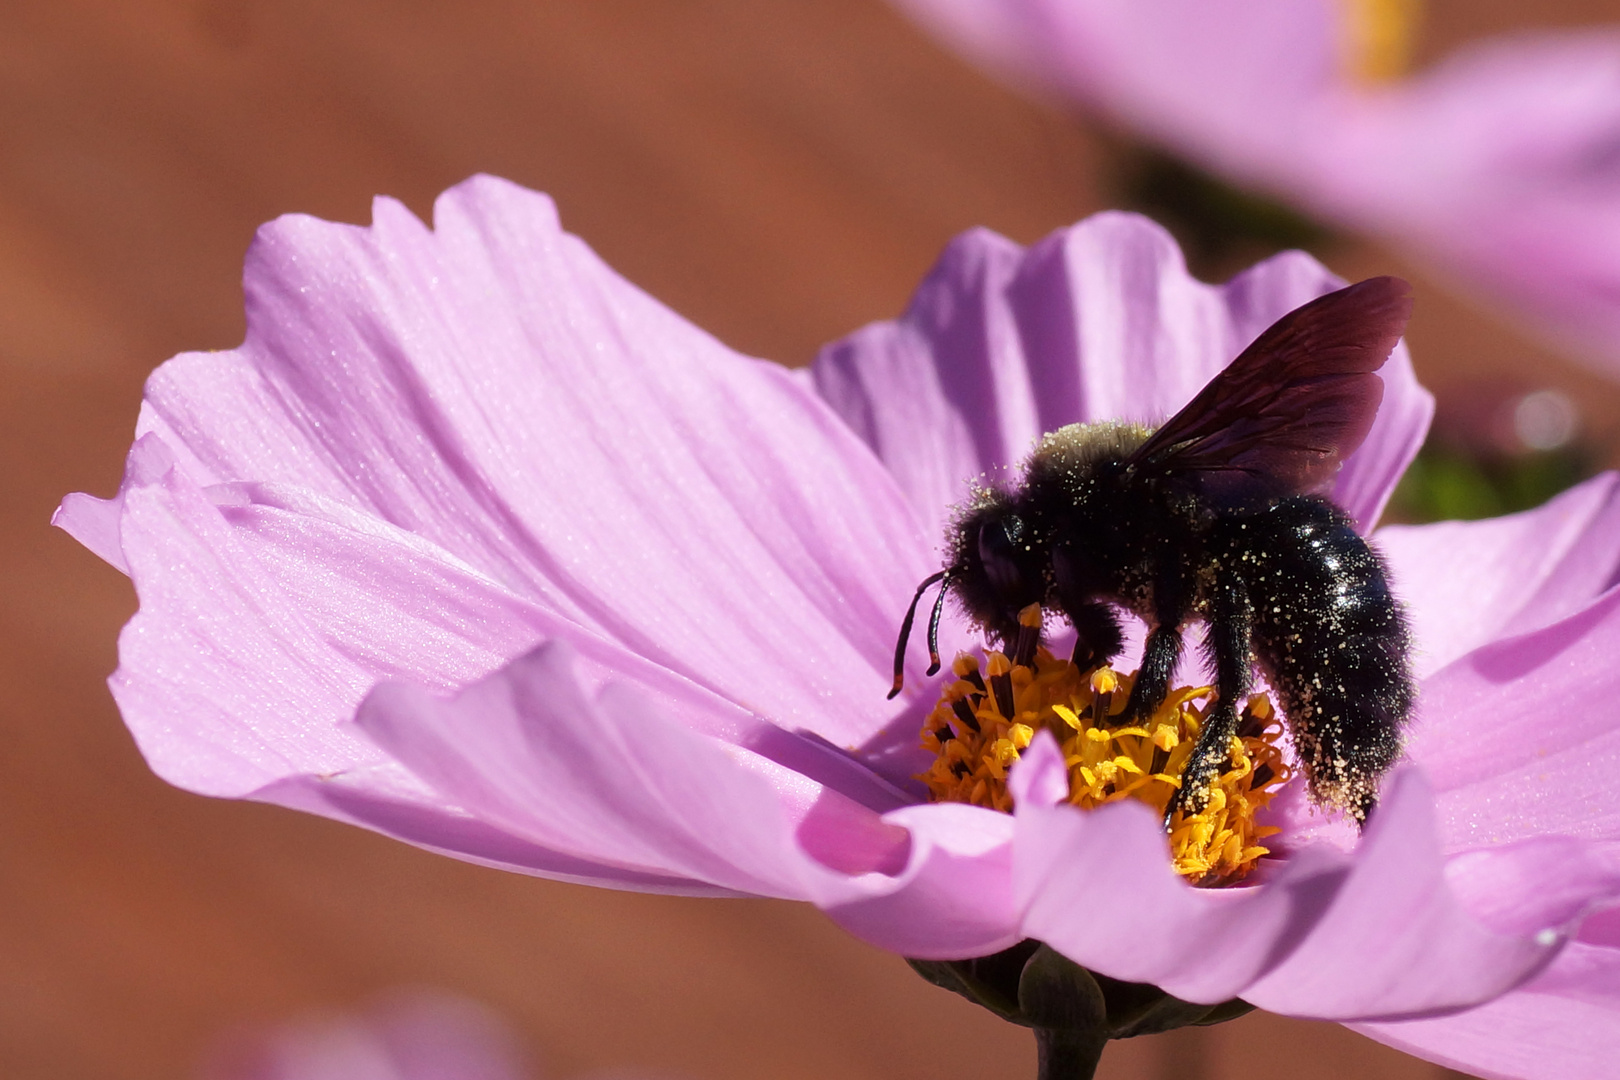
{"type": "Point", "coordinates": [999, 542]}
{"type": "Point", "coordinates": [999, 537]}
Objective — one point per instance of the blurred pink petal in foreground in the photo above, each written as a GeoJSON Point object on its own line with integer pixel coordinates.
{"type": "Point", "coordinates": [473, 543]}
{"type": "Point", "coordinates": [1500, 166]}
{"type": "Point", "coordinates": [408, 1035]}
{"type": "Point", "coordinates": [404, 1035]}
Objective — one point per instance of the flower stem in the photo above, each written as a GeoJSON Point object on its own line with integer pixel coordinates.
{"type": "Point", "coordinates": [1068, 1053]}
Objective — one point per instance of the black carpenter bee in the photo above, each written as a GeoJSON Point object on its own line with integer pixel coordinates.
{"type": "Point", "coordinates": [1217, 515]}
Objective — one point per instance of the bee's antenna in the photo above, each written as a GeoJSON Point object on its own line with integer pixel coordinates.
{"type": "Point", "coordinates": [905, 632]}
{"type": "Point", "coordinates": [933, 626]}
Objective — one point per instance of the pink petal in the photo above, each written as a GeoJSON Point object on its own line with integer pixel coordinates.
{"type": "Point", "coordinates": [1541, 883]}
{"type": "Point", "coordinates": [94, 522]}
{"type": "Point", "coordinates": [1562, 1025]}
{"type": "Point", "coordinates": [1098, 321]}
{"type": "Point", "coordinates": [1467, 583]}
{"type": "Point", "coordinates": [611, 779]}
{"type": "Point", "coordinates": [999, 37]}
{"type": "Point", "coordinates": [218, 647]}
{"type": "Point", "coordinates": [265, 620]}
{"type": "Point", "coordinates": [379, 800]}
{"type": "Point", "coordinates": [493, 388]}
{"type": "Point", "coordinates": [1398, 940]}
{"type": "Point", "coordinates": [953, 898]}
{"type": "Point", "coordinates": [942, 394]}
{"type": "Point", "coordinates": [1324, 936]}
{"type": "Point", "coordinates": [264, 636]}
{"type": "Point", "coordinates": [1229, 81]}
{"type": "Point", "coordinates": [1040, 778]}
{"type": "Point", "coordinates": [411, 1035]}
{"type": "Point", "coordinates": [606, 779]}
{"type": "Point", "coordinates": [1497, 166]}
{"type": "Point", "coordinates": [1519, 736]}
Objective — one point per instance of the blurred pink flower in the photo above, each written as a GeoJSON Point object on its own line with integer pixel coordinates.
{"type": "Point", "coordinates": [1500, 167]}
{"type": "Point", "coordinates": [474, 544]}
{"type": "Point", "coordinates": [415, 1034]}
{"type": "Point", "coordinates": [407, 1035]}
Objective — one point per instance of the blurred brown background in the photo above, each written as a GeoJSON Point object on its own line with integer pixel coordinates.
{"type": "Point", "coordinates": [781, 171]}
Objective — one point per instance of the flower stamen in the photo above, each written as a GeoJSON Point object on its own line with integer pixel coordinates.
{"type": "Point", "coordinates": [989, 714]}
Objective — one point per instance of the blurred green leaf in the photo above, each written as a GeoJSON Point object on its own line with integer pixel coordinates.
{"type": "Point", "coordinates": [1445, 484]}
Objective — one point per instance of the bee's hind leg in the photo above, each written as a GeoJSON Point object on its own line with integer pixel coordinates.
{"type": "Point", "coordinates": [1229, 644]}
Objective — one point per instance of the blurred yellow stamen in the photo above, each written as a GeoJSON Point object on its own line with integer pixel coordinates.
{"type": "Point", "coordinates": [1379, 36]}
{"type": "Point", "coordinates": [975, 738]}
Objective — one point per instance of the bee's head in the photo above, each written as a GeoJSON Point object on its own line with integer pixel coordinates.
{"type": "Point", "coordinates": [997, 568]}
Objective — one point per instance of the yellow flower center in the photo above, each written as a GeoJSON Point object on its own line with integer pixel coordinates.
{"type": "Point", "coordinates": [990, 713]}
{"type": "Point", "coordinates": [1379, 36]}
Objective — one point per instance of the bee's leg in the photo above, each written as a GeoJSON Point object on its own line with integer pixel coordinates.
{"type": "Point", "coordinates": [1160, 653]}
{"type": "Point", "coordinates": [1229, 645]}
{"type": "Point", "coordinates": [1098, 638]}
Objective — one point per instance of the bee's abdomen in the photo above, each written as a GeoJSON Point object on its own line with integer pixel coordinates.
{"type": "Point", "coordinates": [1330, 638]}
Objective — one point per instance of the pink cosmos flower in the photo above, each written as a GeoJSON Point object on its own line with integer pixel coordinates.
{"type": "Point", "coordinates": [1500, 167]}
{"type": "Point", "coordinates": [474, 544]}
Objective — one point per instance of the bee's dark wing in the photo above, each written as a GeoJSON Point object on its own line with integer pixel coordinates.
{"type": "Point", "coordinates": [1293, 405]}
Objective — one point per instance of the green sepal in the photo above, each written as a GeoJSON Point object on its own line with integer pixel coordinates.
{"type": "Point", "coordinates": [1055, 992]}
{"type": "Point", "coordinates": [1033, 985]}
{"type": "Point", "coordinates": [988, 981]}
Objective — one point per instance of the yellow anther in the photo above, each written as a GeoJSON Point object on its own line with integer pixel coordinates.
{"type": "Point", "coordinates": [1217, 845]}
{"type": "Point", "coordinates": [1031, 617]}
